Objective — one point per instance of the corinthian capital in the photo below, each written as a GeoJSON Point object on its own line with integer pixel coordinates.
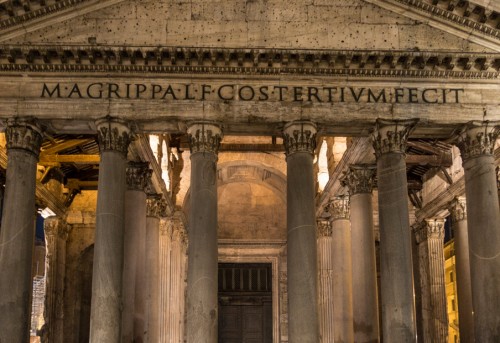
{"type": "Point", "coordinates": [299, 136]}
{"type": "Point", "coordinates": [359, 178]}
{"type": "Point", "coordinates": [478, 138]}
{"type": "Point", "coordinates": [430, 229]}
{"type": "Point", "coordinates": [113, 134]}
{"type": "Point", "coordinates": [138, 175]}
{"type": "Point", "coordinates": [156, 206]}
{"type": "Point", "coordinates": [338, 207]}
{"type": "Point", "coordinates": [24, 134]}
{"type": "Point", "coordinates": [324, 228]}
{"type": "Point", "coordinates": [391, 135]}
{"type": "Point", "coordinates": [204, 137]}
{"type": "Point", "coordinates": [458, 209]}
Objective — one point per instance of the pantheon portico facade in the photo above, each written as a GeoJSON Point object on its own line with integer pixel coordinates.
{"type": "Point", "coordinates": [241, 171]}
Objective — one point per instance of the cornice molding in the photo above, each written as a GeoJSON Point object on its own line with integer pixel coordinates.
{"type": "Point", "coordinates": [20, 17]}
{"type": "Point", "coordinates": [229, 61]}
{"type": "Point", "coordinates": [461, 18]}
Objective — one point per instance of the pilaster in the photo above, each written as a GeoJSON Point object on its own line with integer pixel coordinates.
{"type": "Point", "coordinates": [325, 275]}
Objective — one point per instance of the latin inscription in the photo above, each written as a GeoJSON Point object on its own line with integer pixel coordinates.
{"type": "Point", "coordinates": [236, 92]}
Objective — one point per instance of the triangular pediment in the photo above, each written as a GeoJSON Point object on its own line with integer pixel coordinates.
{"type": "Point", "coordinates": [339, 24]}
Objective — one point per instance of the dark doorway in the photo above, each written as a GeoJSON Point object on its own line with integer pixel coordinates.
{"type": "Point", "coordinates": [245, 303]}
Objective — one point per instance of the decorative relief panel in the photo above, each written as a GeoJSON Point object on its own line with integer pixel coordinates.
{"type": "Point", "coordinates": [478, 138]}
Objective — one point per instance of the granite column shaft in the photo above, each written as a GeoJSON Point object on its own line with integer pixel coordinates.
{"type": "Point", "coordinates": [134, 278]}
{"type": "Point", "coordinates": [300, 142]}
{"type": "Point", "coordinates": [106, 305]}
{"type": "Point", "coordinates": [202, 303]}
{"type": "Point", "coordinates": [359, 180]}
{"type": "Point", "coordinates": [398, 309]}
{"type": "Point", "coordinates": [476, 143]}
{"type": "Point", "coordinates": [18, 230]}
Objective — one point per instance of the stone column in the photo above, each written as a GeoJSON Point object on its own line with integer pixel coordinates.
{"type": "Point", "coordinates": [176, 298]}
{"type": "Point", "coordinates": [325, 274]}
{"type": "Point", "coordinates": [477, 143]}
{"type": "Point", "coordinates": [134, 260]}
{"type": "Point", "coordinates": [359, 180]}
{"type": "Point", "coordinates": [398, 309]}
{"type": "Point", "coordinates": [300, 141]}
{"type": "Point", "coordinates": [24, 138]}
{"type": "Point", "coordinates": [458, 213]}
{"type": "Point", "coordinates": [342, 270]}
{"type": "Point", "coordinates": [156, 207]}
{"type": "Point", "coordinates": [56, 235]}
{"type": "Point", "coordinates": [106, 308]}
{"type": "Point", "coordinates": [165, 250]}
{"type": "Point", "coordinates": [430, 240]}
{"type": "Point", "coordinates": [204, 140]}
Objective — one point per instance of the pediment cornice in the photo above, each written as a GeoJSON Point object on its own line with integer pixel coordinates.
{"type": "Point", "coordinates": [22, 16]}
{"type": "Point", "coordinates": [181, 60]}
{"type": "Point", "coordinates": [467, 19]}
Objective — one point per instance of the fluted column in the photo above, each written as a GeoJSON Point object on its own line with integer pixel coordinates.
{"type": "Point", "coordinates": [56, 235]}
{"type": "Point", "coordinates": [458, 213]}
{"type": "Point", "coordinates": [134, 262]}
{"type": "Point", "coordinates": [359, 180]}
{"type": "Point", "coordinates": [105, 320]}
{"type": "Point", "coordinates": [398, 309]}
{"type": "Point", "coordinates": [342, 270]}
{"type": "Point", "coordinates": [430, 240]}
{"type": "Point", "coordinates": [183, 284]}
{"type": "Point", "coordinates": [166, 227]}
{"type": "Point", "coordinates": [155, 208]}
{"type": "Point", "coordinates": [17, 236]}
{"type": "Point", "coordinates": [204, 140]}
{"type": "Point", "coordinates": [299, 139]}
{"type": "Point", "coordinates": [477, 143]}
{"type": "Point", "coordinates": [325, 286]}
{"type": "Point", "coordinates": [176, 298]}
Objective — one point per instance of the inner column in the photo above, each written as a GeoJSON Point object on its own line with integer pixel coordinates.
{"type": "Point", "coordinates": [300, 141]}
{"type": "Point", "coordinates": [106, 307]}
{"type": "Point", "coordinates": [359, 179]}
{"type": "Point", "coordinates": [204, 141]}
{"type": "Point", "coordinates": [398, 307]}
{"type": "Point", "coordinates": [458, 213]}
